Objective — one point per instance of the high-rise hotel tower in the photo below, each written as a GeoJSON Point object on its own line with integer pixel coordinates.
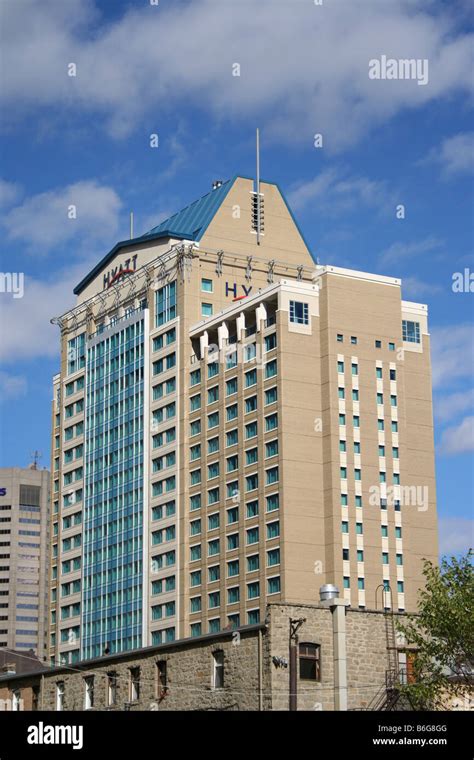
{"type": "Point", "coordinates": [234, 424]}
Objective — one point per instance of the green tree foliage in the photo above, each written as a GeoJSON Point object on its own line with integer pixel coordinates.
{"type": "Point", "coordinates": [442, 635]}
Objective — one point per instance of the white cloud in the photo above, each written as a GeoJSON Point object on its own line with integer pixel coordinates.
{"type": "Point", "coordinates": [28, 333]}
{"type": "Point", "coordinates": [459, 438]}
{"type": "Point", "coordinates": [398, 252]}
{"type": "Point", "coordinates": [304, 68]}
{"type": "Point", "coordinates": [9, 192]}
{"type": "Point", "coordinates": [455, 155]}
{"type": "Point", "coordinates": [413, 287]}
{"type": "Point", "coordinates": [452, 353]}
{"type": "Point", "coordinates": [12, 386]}
{"type": "Point", "coordinates": [456, 535]}
{"type": "Point", "coordinates": [43, 220]}
{"type": "Point", "coordinates": [446, 408]}
{"type": "Point", "coordinates": [334, 193]}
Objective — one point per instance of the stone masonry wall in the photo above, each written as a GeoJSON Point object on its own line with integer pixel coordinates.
{"type": "Point", "coordinates": [366, 656]}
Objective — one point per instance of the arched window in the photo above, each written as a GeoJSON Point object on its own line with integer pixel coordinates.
{"type": "Point", "coordinates": [310, 661]}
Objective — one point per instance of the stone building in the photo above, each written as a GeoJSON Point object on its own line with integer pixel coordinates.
{"type": "Point", "coordinates": [341, 663]}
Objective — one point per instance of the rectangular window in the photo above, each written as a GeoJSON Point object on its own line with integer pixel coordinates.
{"type": "Point", "coordinates": [88, 692]}
{"type": "Point", "coordinates": [212, 370]}
{"type": "Point", "coordinates": [271, 475]}
{"type": "Point", "coordinates": [271, 449]}
{"type": "Point", "coordinates": [271, 422]}
{"type": "Point", "coordinates": [299, 313]}
{"type": "Point", "coordinates": [340, 367]}
{"type": "Point", "coordinates": [253, 590]}
{"type": "Point", "coordinates": [250, 404]}
{"type": "Point", "coordinates": [134, 684]}
{"type": "Point", "coordinates": [271, 396]}
{"type": "Point", "coordinates": [213, 394]}
{"type": "Point", "coordinates": [212, 470]}
{"type": "Point", "coordinates": [250, 378]}
{"type": "Point", "coordinates": [213, 496]}
{"type": "Point", "coordinates": [273, 585]}
{"type": "Point", "coordinates": [232, 437]}
{"type": "Point", "coordinates": [218, 670]}
{"type": "Point", "coordinates": [213, 521]}
{"type": "Point", "coordinates": [270, 342]}
{"type": "Point", "coordinates": [273, 529]}
{"type": "Point", "coordinates": [410, 331]}
{"type": "Point", "coordinates": [231, 386]}
{"type": "Point", "coordinates": [165, 304]}
{"type": "Point", "coordinates": [251, 430]}
{"type": "Point", "coordinates": [251, 456]}
{"type": "Point", "coordinates": [273, 557]}
{"type": "Point", "coordinates": [252, 509]}
{"type": "Point", "coordinates": [251, 482]}
{"type": "Point", "coordinates": [252, 536]}
{"type": "Point", "coordinates": [206, 309]}
{"type": "Point", "coordinates": [271, 369]}
{"type": "Point", "coordinates": [206, 285]}
{"type": "Point", "coordinates": [212, 420]}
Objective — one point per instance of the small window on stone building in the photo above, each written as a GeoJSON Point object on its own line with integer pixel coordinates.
{"type": "Point", "coordinates": [218, 670]}
{"type": "Point", "coordinates": [60, 695]}
{"type": "Point", "coordinates": [134, 684]}
{"type": "Point", "coordinates": [161, 678]}
{"type": "Point", "coordinates": [89, 693]}
{"type": "Point", "coordinates": [111, 689]}
{"type": "Point", "coordinates": [310, 661]}
{"type": "Point", "coordinates": [16, 700]}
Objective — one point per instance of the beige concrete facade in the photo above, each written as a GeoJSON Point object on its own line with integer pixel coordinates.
{"type": "Point", "coordinates": [24, 558]}
{"type": "Point", "coordinates": [344, 490]}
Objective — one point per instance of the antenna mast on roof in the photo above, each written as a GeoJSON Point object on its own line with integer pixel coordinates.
{"type": "Point", "coordinates": [36, 456]}
{"type": "Point", "coordinates": [258, 186]}
{"type": "Point", "coordinates": [131, 225]}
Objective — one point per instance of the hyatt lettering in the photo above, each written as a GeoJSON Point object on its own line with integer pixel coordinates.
{"type": "Point", "coordinates": [128, 267]}
{"type": "Point", "coordinates": [233, 289]}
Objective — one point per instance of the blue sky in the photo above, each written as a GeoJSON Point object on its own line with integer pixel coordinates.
{"type": "Point", "coordinates": [167, 69]}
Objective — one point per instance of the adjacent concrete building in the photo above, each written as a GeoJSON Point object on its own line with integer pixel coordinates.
{"type": "Point", "coordinates": [234, 425]}
{"type": "Point", "coordinates": [24, 558]}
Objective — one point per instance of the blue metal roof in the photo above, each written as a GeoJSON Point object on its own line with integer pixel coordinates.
{"type": "Point", "coordinates": [188, 224]}
{"type": "Point", "coordinates": [192, 221]}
